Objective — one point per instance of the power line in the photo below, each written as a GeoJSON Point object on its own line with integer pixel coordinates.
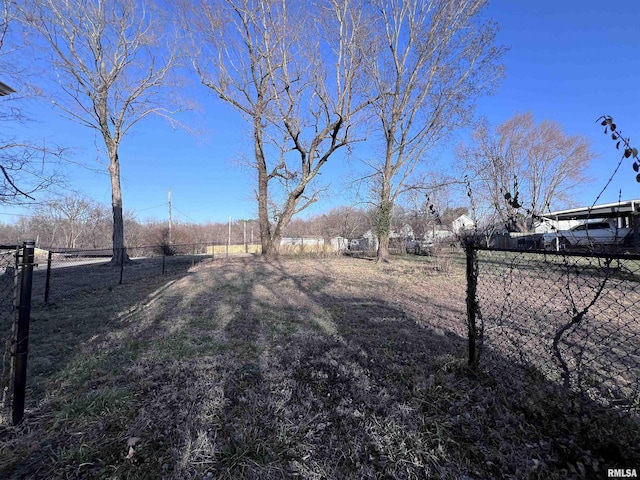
{"type": "Point", "coordinates": [150, 208]}
{"type": "Point", "coordinates": [16, 215]}
{"type": "Point", "coordinates": [183, 214]}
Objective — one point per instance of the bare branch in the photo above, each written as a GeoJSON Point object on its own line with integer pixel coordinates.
{"type": "Point", "coordinates": [259, 57]}
{"type": "Point", "coordinates": [113, 61]}
{"type": "Point", "coordinates": [429, 62]}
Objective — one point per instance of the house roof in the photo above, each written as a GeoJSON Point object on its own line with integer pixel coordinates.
{"type": "Point", "coordinates": [607, 210]}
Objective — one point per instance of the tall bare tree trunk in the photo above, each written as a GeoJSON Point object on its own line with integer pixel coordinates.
{"type": "Point", "coordinates": [112, 61]}
{"type": "Point", "coordinates": [383, 223]}
{"type": "Point", "coordinates": [429, 61]}
{"type": "Point", "coordinates": [268, 247]}
{"type": "Point", "coordinates": [385, 208]}
{"type": "Point", "coordinates": [119, 252]}
{"type": "Point", "coordinates": [301, 97]}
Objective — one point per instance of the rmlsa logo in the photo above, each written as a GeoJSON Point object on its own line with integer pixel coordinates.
{"type": "Point", "coordinates": [622, 473]}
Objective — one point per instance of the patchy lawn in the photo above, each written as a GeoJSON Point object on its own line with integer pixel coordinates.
{"type": "Point", "coordinates": [298, 368]}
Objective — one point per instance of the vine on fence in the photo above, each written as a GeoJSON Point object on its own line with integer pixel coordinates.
{"type": "Point", "coordinates": [616, 135]}
{"type": "Point", "coordinates": [578, 316]}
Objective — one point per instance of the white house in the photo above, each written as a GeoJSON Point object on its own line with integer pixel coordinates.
{"type": "Point", "coordinates": [339, 244]}
{"type": "Point", "coordinates": [461, 224]}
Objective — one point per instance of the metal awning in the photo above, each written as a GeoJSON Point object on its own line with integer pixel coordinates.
{"type": "Point", "coordinates": [607, 210]}
{"type": "Point", "coordinates": [5, 89]}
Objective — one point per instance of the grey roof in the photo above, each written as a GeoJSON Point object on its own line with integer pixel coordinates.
{"type": "Point", "coordinates": [5, 89]}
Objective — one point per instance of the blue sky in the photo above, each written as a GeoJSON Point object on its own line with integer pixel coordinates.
{"type": "Point", "coordinates": [569, 61]}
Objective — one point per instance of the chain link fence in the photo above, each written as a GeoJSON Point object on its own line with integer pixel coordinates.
{"type": "Point", "coordinates": [62, 273]}
{"type": "Point", "coordinates": [8, 304]}
{"type": "Point", "coordinates": [573, 317]}
{"type": "Point", "coordinates": [15, 310]}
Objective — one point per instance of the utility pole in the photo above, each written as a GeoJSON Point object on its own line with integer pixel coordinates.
{"type": "Point", "coordinates": [229, 238]}
{"type": "Point", "coordinates": [169, 216]}
{"type": "Point", "coordinates": [244, 236]}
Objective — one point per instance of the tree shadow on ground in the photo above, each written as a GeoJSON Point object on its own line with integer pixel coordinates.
{"type": "Point", "coordinates": [63, 332]}
{"type": "Point", "coordinates": [254, 369]}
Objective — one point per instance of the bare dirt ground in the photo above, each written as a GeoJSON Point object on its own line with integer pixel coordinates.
{"type": "Point", "coordinates": [299, 368]}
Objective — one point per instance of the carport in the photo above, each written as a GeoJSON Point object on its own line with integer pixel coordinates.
{"type": "Point", "coordinates": [627, 214]}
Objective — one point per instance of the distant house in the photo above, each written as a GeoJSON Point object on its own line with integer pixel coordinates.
{"type": "Point", "coordinates": [339, 244]}
{"type": "Point", "coordinates": [301, 244]}
{"type": "Point", "coordinates": [458, 227]}
{"type": "Point", "coordinates": [301, 241]}
{"type": "Point", "coordinates": [369, 241]}
{"type": "Point", "coordinates": [461, 224]}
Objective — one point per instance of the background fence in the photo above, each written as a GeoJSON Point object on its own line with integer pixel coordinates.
{"type": "Point", "coordinates": [61, 273]}
{"type": "Point", "coordinates": [573, 317]}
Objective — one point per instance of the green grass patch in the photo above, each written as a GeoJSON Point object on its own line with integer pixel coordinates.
{"type": "Point", "coordinates": [92, 404]}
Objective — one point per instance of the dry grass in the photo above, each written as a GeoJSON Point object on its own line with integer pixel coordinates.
{"type": "Point", "coordinates": [299, 368]}
{"type": "Point", "coordinates": [232, 249]}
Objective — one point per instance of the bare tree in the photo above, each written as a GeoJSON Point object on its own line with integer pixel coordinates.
{"type": "Point", "coordinates": [524, 166]}
{"type": "Point", "coordinates": [25, 169]}
{"type": "Point", "coordinates": [112, 61]}
{"type": "Point", "coordinates": [26, 166]}
{"type": "Point", "coordinates": [70, 215]}
{"type": "Point", "coordinates": [347, 222]}
{"type": "Point", "coordinates": [430, 61]}
{"type": "Point", "coordinates": [291, 70]}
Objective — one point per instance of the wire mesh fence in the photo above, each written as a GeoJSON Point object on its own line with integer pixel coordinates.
{"type": "Point", "coordinates": [62, 273]}
{"type": "Point", "coordinates": [8, 302]}
{"type": "Point", "coordinates": [573, 317]}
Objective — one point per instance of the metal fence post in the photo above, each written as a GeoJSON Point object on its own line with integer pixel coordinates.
{"type": "Point", "coordinates": [48, 278]}
{"type": "Point", "coordinates": [472, 307]}
{"type": "Point", "coordinates": [163, 257]}
{"type": "Point", "coordinates": [22, 334]}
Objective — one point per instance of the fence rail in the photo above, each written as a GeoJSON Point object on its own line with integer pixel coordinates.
{"type": "Point", "coordinates": [573, 317]}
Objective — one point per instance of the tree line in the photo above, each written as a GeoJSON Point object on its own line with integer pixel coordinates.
{"type": "Point", "coordinates": [75, 222]}
{"type": "Point", "coordinates": [312, 80]}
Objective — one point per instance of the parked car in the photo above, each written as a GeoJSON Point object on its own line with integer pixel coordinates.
{"type": "Point", "coordinates": [588, 234]}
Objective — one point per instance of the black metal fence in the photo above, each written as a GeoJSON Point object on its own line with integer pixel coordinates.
{"type": "Point", "coordinates": [8, 304]}
{"type": "Point", "coordinates": [572, 317]}
{"type": "Point", "coordinates": [62, 273]}
{"type": "Point", "coordinates": [16, 265]}
{"type": "Point", "coordinates": [28, 274]}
